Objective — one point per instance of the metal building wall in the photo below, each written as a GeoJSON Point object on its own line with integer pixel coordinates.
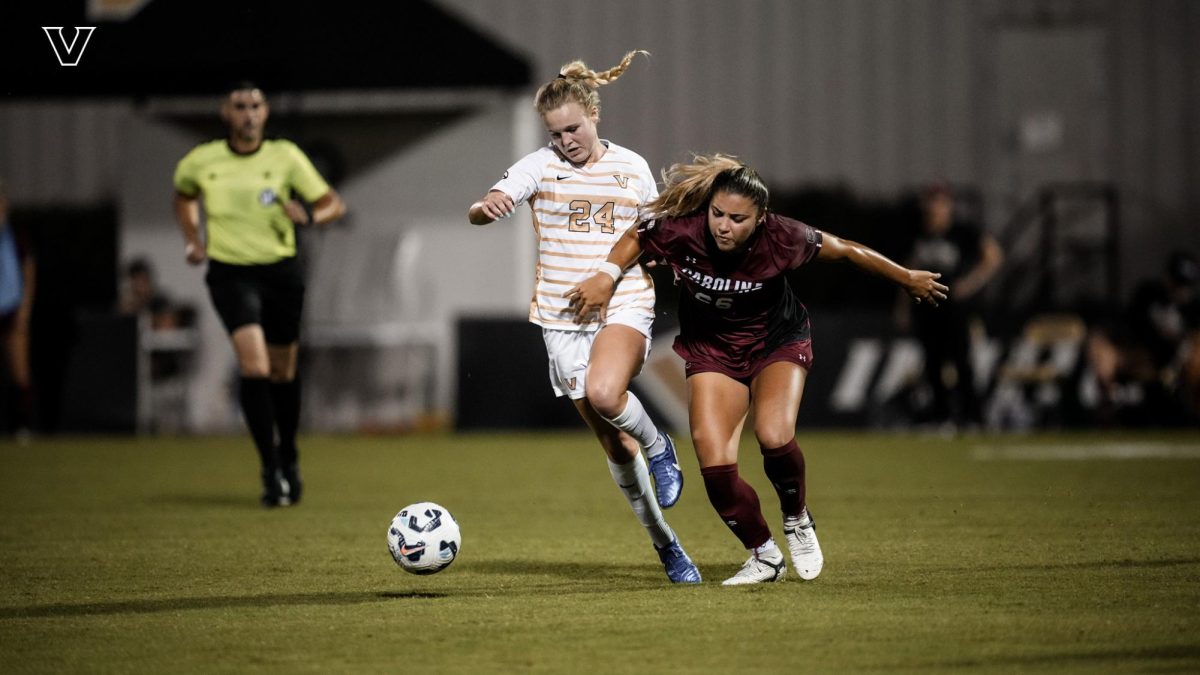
{"type": "Point", "coordinates": [880, 94]}
{"type": "Point", "coordinates": [61, 154]}
{"type": "Point", "coordinates": [1156, 70]}
{"type": "Point", "coordinates": [877, 93]}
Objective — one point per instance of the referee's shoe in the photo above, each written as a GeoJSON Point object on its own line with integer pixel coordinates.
{"type": "Point", "coordinates": [275, 489]}
{"type": "Point", "coordinates": [291, 479]}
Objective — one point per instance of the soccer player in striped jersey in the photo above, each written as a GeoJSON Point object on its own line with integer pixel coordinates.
{"type": "Point", "coordinates": [254, 277]}
{"type": "Point", "coordinates": [584, 194]}
{"type": "Point", "coordinates": [744, 337]}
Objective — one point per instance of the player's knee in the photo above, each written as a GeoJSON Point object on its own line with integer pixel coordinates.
{"type": "Point", "coordinates": [773, 436]}
{"type": "Point", "coordinates": [254, 370]}
{"type": "Point", "coordinates": [604, 397]}
{"type": "Point", "coordinates": [281, 374]}
{"type": "Point", "coordinates": [712, 445]}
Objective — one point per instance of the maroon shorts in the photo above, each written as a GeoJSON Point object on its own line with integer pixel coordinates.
{"type": "Point", "coordinates": [798, 352]}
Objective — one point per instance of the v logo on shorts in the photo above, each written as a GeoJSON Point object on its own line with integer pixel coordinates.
{"type": "Point", "coordinates": [571, 383]}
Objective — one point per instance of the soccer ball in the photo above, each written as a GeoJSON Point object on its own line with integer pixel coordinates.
{"type": "Point", "coordinates": [424, 538]}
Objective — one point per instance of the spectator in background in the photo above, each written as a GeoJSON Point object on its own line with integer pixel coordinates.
{"type": "Point", "coordinates": [17, 275]}
{"type": "Point", "coordinates": [1187, 275]}
{"type": "Point", "coordinates": [967, 258]}
{"type": "Point", "coordinates": [140, 294]}
{"type": "Point", "coordinates": [1156, 343]}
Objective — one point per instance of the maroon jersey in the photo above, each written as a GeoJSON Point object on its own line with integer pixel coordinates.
{"type": "Point", "coordinates": [734, 307]}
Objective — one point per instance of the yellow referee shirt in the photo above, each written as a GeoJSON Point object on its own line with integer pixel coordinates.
{"type": "Point", "coordinates": [244, 196]}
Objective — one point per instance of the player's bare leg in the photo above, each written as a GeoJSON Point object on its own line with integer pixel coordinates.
{"type": "Point", "coordinates": [629, 472]}
{"type": "Point", "coordinates": [250, 345]}
{"type": "Point", "coordinates": [618, 446]}
{"type": "Point", "coordinates": [777, 392]}
{"type": "Point", "coordinates": [617, 355]}
{"type": "Point", "coordinates": [717, 407]}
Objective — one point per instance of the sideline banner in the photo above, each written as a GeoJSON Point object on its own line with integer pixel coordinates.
{"type": "Point", "coordinates": [865, 374]}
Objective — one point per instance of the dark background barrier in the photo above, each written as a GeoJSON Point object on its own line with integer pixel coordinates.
{"type": "Point", "coordinates": [100, 375]}
{"type": "Point", "coordinates": [503, 381]}
{"type": "Point", "coordinates": [76, 256]}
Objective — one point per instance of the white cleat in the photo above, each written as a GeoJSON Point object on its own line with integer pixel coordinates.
{"type": "Point", "coordinates": [760, 568]}
{"type": "Point", "coordinates": [802, 543]}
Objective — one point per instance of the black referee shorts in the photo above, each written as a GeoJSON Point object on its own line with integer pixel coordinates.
{"type": "Point", "coordinates": [271, 296]}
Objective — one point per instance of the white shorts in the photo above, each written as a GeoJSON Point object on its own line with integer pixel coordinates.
{"type": "Point", "coordinates": [570, 350]}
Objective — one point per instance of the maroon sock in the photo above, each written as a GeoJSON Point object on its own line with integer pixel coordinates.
{"type": "Point", "coordinates": [785, 468]}
{"type": "Point", "coordinates": [736, 503]}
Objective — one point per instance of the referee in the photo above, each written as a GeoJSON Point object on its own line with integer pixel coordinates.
{"type": "Point", "coordinates": [247, 185]}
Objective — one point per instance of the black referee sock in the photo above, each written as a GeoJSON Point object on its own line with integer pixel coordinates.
{"type": "Point", "coordinates": [285, 397]}
{"type": "Point", "coordinates": [255, 396]}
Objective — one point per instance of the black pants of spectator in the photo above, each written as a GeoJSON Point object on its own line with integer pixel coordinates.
{"type": "Point", "coordinates": [945, 336]}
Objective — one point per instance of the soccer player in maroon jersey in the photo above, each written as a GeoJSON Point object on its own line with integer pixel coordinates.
{"type": "Point", "coordinates": [744, 337]}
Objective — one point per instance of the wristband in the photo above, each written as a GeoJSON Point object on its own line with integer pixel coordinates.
{"type": "Point", "coordinates": [611, 269]}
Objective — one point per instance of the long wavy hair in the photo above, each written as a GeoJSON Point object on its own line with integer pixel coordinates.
{"type": "Point", "coordinates": [576, 82]}
{"type": "Point", "coordinates": [687, 188]}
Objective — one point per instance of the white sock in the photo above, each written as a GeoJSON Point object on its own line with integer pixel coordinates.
{"type": "Point", "coordinates": [768, 550]}
{"type": "Point", "coordinates": [634, 480]}
{"type": "Point", "coordinates": [634, 421]}
{"type": "Point", "coordinates": [801, 520]}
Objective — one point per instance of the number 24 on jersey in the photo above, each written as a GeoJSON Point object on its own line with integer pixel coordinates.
{"type": "Point", "coordinates": [582, 217]}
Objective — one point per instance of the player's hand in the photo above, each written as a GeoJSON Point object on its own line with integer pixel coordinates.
{"type": "Point", "coordinates": [296, 213]}
{"type": "Point", "coordinates": [923, 287]}
{"type": "Point", "coordinates": [591, 295]}
{"type": "Point", "coordinates": [194, 253]}
{"type": "Point", "coordinates": [496, 205]}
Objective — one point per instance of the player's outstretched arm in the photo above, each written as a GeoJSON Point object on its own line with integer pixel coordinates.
{"type": "Point", "coordinates": [920, 285]}
{"type": "Point", "coordinates": [593, 294]}
{"type": "Point", "coordinates": [494, 206]}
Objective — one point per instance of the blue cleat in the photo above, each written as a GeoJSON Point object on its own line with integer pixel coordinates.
{"type": "Point", "coordinates": [668, 478]}
{"type": "Point", "coordinates": [680, 568]}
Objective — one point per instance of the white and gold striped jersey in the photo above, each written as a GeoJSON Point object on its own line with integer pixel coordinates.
{"type": "Point", "coordinates": [579, 212]}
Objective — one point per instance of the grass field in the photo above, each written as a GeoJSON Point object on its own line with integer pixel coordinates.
{"type": "Point", "coordinates": [985, 554]}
